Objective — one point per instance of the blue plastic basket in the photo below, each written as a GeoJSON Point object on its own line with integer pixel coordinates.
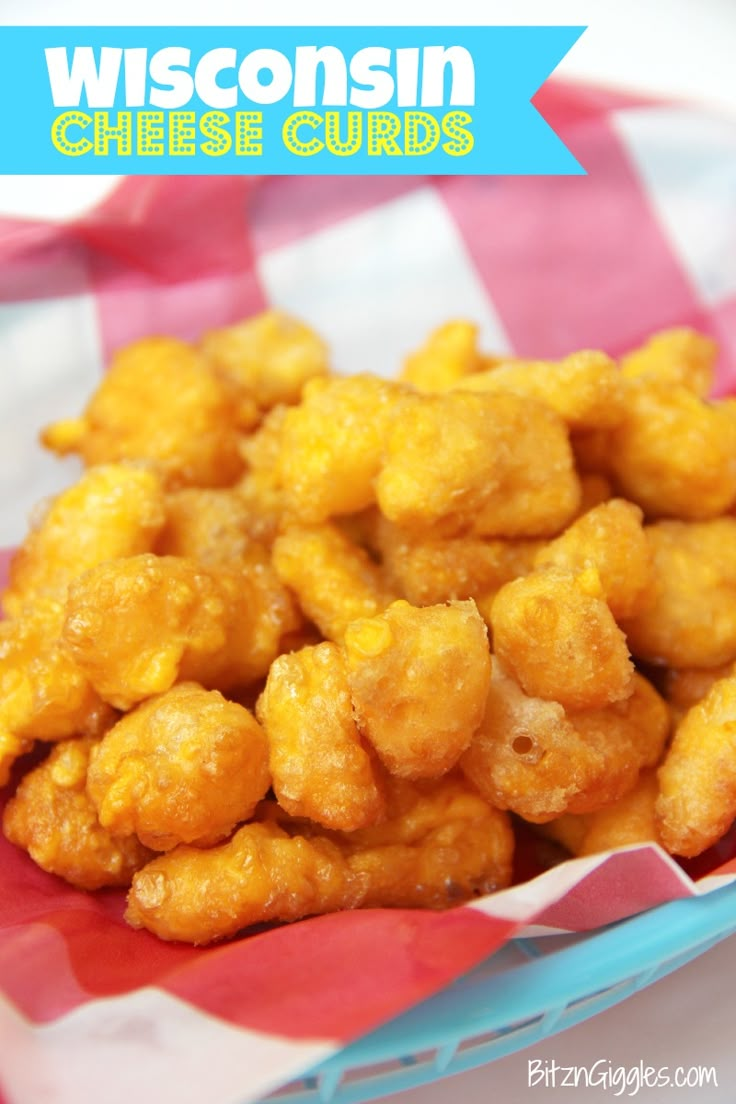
{"type": "Point", "coordinates": [530, 989]}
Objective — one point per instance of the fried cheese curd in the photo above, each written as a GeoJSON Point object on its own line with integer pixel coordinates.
{"type": "Point", "coordinates": [554, 631]}
{"type": "Point", "coordinates": [430, 591]}
{"type": "Point", "coordinates": [159, 401]}
{"type": "Point", "coordinates": [260, 489]}
{"type": "Point", "coordinates": [440, 844]}
{"type": "Point", "coordinates": [585, 388]}
{"type": "Point", "coordinates": [44, 694]}
{"type": "Point", "coordinates": [173, 619]}
{"type": "Point", "coordinates": [113, 510]}
{"type": "Point", "coordinates": [429, 570]}
{"type": "Point", "coordinates": [184, 767]}
{"type": "Point", "coordinates": [332, 445]}
{"type": "Point", "coordinates": [397, 662]}
{"type": "Point", "coordinates": [625, 822]}
{"type": "Point", "coordinates": [449, 355]}
{"type": "Point", "coordinates": [689, 616]}
{"type": "Point", "coordinates": [697, 779]}
{"type": "Point", "coordinates": [266, 360]}
{"type": "Point", "coordinates": [212, 526]}
{"type": "Point", "coordinates": [537, 759]}
{"type": "Point", "coordinates": [475, 464]}
{"type": "Point", "coordinates": [53, 819]}
{"type": "Point", "coordinates": [320, 765]}
{"type": "Point", "coordinates": [674, 453]}
{"type": "Point", "coordinates": [611, 538]}
{"type": "Point", "coordinates": [335, 581]}
{"type": "Point", "coordinates": [677, 356]}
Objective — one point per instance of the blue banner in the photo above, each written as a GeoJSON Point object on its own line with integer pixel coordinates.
{"type": "Point", "coordinates": [280, 100]}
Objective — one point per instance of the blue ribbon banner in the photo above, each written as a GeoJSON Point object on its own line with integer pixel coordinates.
{"type": "Point", "coordinates": [280, 100]}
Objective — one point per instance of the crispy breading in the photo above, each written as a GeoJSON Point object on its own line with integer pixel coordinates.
{"type": "Point", "coordinates": [429, 570]}
{"type": "Point", "coordinates": [441, 844]}
{"type": "Point", "coordinates": [266, 359]}
{"type": "Point", "coordinates": [332, 445]}
{"type": "Point", "coordinates": [136, 626]}
{"type": "Point", "coordinates": [697, 780]}
{"type": "Point", "coordinates": [319, 764]}
{"type": "Point", "coordinates": [449, 354]}
{"type": "Point", "coordinates": [584, 389]}
{"type": "Point", "coordinates": [679, 356]}
{"type": "Point", "coordinates": [184, 767]}
{"type": "Point", "coordinates": [653, 451]}
{"type": "Point", "coordinates": [474, 464]}
{"type": "Point", "coordinates": [260, 488]}
{"type": "Point", "coordinates": [159, 402]}
{"type": "Point", "coordinates": [114, 510]}
{"type": "Point", "coordinates": [554, 631]}
{"type": "Point", "coordinates": [212, 526]}
{"type": "Point", "coordinates": [610, 537]}
{"type": "Point", "coordinates": [628, 821]}
{"type": "Point", "coordinates": [53, 819]}
{"type": "Point", "coordinates": [333, 579]}
{"type": "Point", "coordinates": [44, 695]}
{"type": "Point", "coordinates": [419, 679]}
{"type": "Point", "coordinates": [531, 756]}
{"type": "Point", "coordinates": [689, 619]}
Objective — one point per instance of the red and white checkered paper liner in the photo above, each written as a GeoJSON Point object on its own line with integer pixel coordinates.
{"type": "Point", "coordinates": [91, 1009]}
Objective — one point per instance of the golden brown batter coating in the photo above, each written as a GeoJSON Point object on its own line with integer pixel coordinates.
{"type": "Point", "coordinates": [210, 525]}
{"type": "Point", "coordinates": [184, 767]}
{"type": "Point", "coordinates": [689, 619]}
{"type": "Point", "coordinates": [319, 766]}
{"type": "Point", "coordinates": [533, 758]}
{"type": "Point", "coordinates": [441, 845]}
{"type": "Point", "coordinates": [266, 360]}
{"type": "Point", "coordinates": [448, 356]}
{"type": "Point", "coordinates": [53, 819]}
{"type": "Point", "coordinates": [625, 822]}
{"type": "Point", "coordinates": [555, 633]}
{"type": "Point", "coordinates": [419, 679]}
{"type": "Point", "coordinates": [334, 580]}
{"type": "Point", "coordinates": [473, 464]}
{"type": "Point", "coordinates": [114, 510]}
{"type": "Point", "coordinates": [679, 356]}
{"type": "Point", "coordinates": [260, 489]}
{"type": "Point", "coordinates": [584, 389]}
{"type": "Point", "coordinates": [44, 695]}
{"type": "Point", "coordinates": [332, 445]}
{"type": "Point", "coordinates": [138, 625]}
{"type": "Point", "coordinates": [159, 402]}
{"type": "Point", "coordinates": [675, 454]}
{"type": "Point", "coordinates": [697, 780]}
{"type": "Point", "coordinates": [610, 537]}
{"type": "Point", "coordinates": [427, 570]}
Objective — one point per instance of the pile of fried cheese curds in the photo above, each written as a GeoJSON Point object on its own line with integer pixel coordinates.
{"type": "Point", "coordinates": [298, 642]}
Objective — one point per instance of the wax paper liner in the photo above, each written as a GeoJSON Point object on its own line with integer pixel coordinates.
{"type": "Point", "coordinates": [93, 1010]}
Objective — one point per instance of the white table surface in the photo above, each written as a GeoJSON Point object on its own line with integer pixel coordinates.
{"type": "Point", "coordinates": [674, 47]}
